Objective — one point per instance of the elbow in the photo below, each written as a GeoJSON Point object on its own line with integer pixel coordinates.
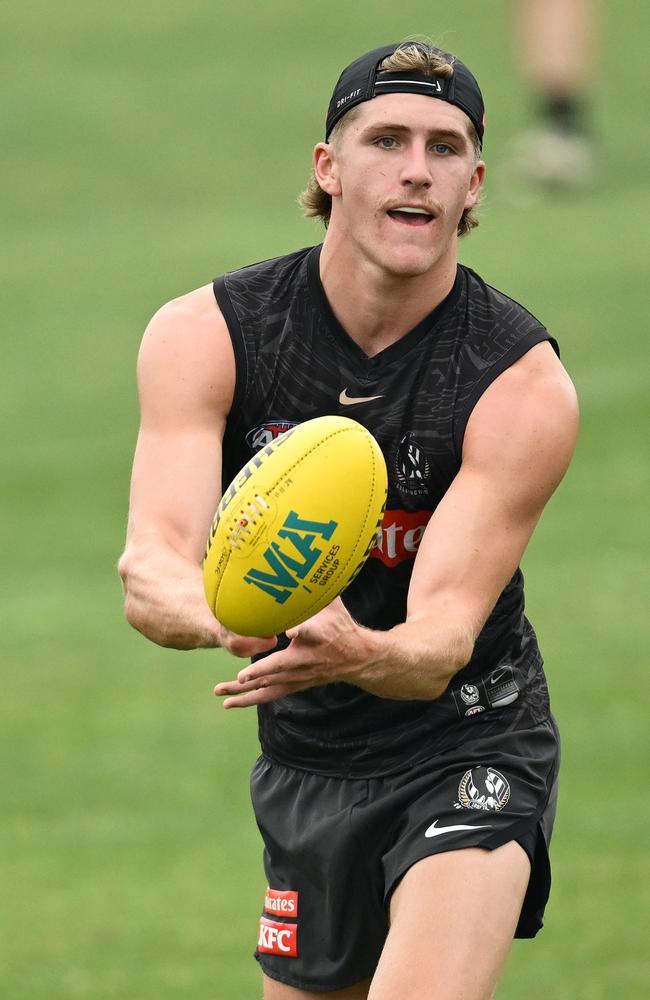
{"type": "Point", "coordinates": [125, 572]}
{"type": "Point", "coordinates": [462, 652]}
{"type": "Point", "coordinates": [123, 569]}
{"type": "Point", "coordinates": [459, 653]}
{"type": "Point", "coordinates": [131, 605]}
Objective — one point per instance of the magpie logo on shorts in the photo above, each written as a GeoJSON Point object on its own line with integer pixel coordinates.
{"type": "Point", "coordinates": [258, 437]}
{"type": "Point", "coordinates": [483, 788]}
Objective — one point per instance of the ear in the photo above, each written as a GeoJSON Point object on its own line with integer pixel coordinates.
{"type": "Point", "coordinates": [475, 185]}
{"type": "Point", "coordinates": [326, 168]}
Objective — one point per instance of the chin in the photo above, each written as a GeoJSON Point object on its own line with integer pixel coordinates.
{"type": "Point", "coordinates": [407, 262]}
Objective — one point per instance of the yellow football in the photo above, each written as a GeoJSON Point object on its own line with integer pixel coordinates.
{"type": "Point", "coordinates": [295, 526]}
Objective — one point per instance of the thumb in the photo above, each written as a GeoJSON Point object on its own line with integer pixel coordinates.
{"type": "Point", "coordinates": [296, 632]}
{"type": "Point", "coordinates": [311, 630]}
{"type": "Point", "coordinates": [244, 645]}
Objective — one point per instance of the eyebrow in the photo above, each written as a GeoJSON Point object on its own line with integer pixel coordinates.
{"type": "Point", "coordinates": [438, 133]}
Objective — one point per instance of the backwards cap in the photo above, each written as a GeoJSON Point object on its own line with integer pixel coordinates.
{"type": "Point", "coordinates": [361, 81]}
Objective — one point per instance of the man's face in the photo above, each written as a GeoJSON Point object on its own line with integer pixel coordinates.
{"type": "Point", "coordinates": [402, 151]}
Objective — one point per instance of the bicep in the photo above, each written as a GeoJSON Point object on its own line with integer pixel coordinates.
{"type": "Point", "coordinates": [518, 444]}
{"type": "Point", "coordinates": [186, 380]}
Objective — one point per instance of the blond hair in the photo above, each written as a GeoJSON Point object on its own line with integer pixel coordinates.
{"type": "Point", "coordinates": [415, 57]}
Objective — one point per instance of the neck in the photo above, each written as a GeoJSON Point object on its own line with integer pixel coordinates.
{"type": "Point", "coordinates": [377, 308]}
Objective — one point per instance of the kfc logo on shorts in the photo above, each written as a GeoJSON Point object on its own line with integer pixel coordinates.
{"type": "Point", "coordinates": [483, 788]}
{"type": "Point", "coordinates": [400, 535]}
{"type": "Point", "coordinates": [278, 939]}
{"type": "Point", "coordinates": [258, 437]}
{"type": "Point", "coordinates": [284, 902]}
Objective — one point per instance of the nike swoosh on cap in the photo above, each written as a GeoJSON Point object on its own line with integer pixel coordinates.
{"type": "Point", "coordinates": [350, 400]}
{"type": "Point", "coordinates": [435, 830]}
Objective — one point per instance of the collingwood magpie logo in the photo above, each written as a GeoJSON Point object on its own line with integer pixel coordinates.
{"type": "Point", "coordinates": [483, 788]}
{"type": "Point", "coordinates": [412, 466]}
{"type": "Point", "coordinates": [469, 693]}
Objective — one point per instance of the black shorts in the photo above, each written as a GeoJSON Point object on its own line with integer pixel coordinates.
{"type": "Point", "coordinates": [336, 848]}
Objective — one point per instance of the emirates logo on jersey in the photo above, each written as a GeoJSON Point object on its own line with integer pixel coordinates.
{"type": "Point", "coordinates": [400, 535]}
{"type": "Point", "coordinates": [412, 467]}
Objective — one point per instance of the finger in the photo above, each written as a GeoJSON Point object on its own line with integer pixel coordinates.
{"type": "Point", "coordinates": [286, 659]}
{"type": "Point", "coordinates": [302, 677]}
{"type": "Point", "coordinates": [234, 687]}
{"type": "Point", "coordinates": [246, 645]}
{"type": "Point", "coordinates": [263, 695]}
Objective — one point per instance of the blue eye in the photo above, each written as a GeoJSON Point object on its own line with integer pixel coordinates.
{"type": "Point", "coordinates": [385, 142]}
{"type": "Point", "coordinates": [442, 148]}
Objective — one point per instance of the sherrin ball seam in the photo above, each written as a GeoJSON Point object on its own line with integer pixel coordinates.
{"type": "Point", "coordinates": [312, 448]}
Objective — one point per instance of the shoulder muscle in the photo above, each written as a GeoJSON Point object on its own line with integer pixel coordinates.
{"type": "Point", "coordinates": [524, 428]}
{"type": "Point", "coordinates": [186, 364]}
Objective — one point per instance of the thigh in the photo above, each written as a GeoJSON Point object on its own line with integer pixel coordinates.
{"type": "Point", "coordinates": [324, 922]}
{"type": "Point", "coordinates": [453, 917]}
{"type": "Point", "coordinates": [279, 991]}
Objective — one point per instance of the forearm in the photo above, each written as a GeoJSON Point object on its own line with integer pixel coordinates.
{"type": "Point", "coordinates": [415, 660]}
{"type": "Point", "coordinates": [164, 599]}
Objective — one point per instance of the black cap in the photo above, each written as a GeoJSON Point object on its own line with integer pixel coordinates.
{"type": "Point", "coordinates": [360, 82]}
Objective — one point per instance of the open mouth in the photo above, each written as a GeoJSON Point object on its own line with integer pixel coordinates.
{"type": "Point", "coordinates": [409, 216]}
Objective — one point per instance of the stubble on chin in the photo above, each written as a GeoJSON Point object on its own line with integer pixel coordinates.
{"type": "Point", "coordinates": [403, 261]}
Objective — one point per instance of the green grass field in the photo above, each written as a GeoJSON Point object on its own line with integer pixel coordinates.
{"type": "Point", "coordinates": [148, 147]}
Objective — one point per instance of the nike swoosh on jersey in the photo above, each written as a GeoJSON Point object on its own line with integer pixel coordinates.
{"type": "Point", "coordinates": [435, 830]}
{"type": "Point", "coordinates": [497, 675]}
{"type": "Point", "coordinates": [350, 400]}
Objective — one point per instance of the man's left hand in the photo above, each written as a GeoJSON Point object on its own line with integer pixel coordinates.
{"type": "Point", "coordinates": [327, 648]}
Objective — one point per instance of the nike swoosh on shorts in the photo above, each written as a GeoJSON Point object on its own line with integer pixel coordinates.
{"type": "Point", "coordinates": [435, 830]}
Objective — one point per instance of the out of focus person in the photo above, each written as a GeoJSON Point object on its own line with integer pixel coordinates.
{"type": "Point", "coordinates": [556, 40]}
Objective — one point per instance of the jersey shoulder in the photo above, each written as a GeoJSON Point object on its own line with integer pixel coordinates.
{"type": "Point", "coordinates": [248, 289]}
{"type": "Point", "coordinates": [489, 305]}
{"type": "Point", "coordinates": [498, 331]}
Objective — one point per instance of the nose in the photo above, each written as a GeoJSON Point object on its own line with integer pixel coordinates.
{"type": "Point", "coordinates": [415, 167]}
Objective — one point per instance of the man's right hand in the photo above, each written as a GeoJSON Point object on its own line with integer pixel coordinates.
{"type": "Point", "coordinates": [164, 600]}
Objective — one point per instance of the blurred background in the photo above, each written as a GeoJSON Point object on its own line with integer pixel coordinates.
{"type": "Point", "coordinates": [147, 148]}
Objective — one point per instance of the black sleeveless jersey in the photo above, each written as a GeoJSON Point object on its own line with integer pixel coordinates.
{"type": "Point", "coordinates": [294, 361]}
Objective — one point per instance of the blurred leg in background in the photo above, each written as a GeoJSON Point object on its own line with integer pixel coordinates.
{"type": "Point", "coordinates": [556, 41]}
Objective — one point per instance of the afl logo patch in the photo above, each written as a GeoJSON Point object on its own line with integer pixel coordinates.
{"type": "Point", "coordinates": [483, 788]}
{"type": "Point", "coordinates": [258, 437]}
{"type": "Point", "coordinates": [412, 466]}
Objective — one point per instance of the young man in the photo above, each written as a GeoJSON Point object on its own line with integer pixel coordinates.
{"type": "Point", "coordinates": [406, 790]}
